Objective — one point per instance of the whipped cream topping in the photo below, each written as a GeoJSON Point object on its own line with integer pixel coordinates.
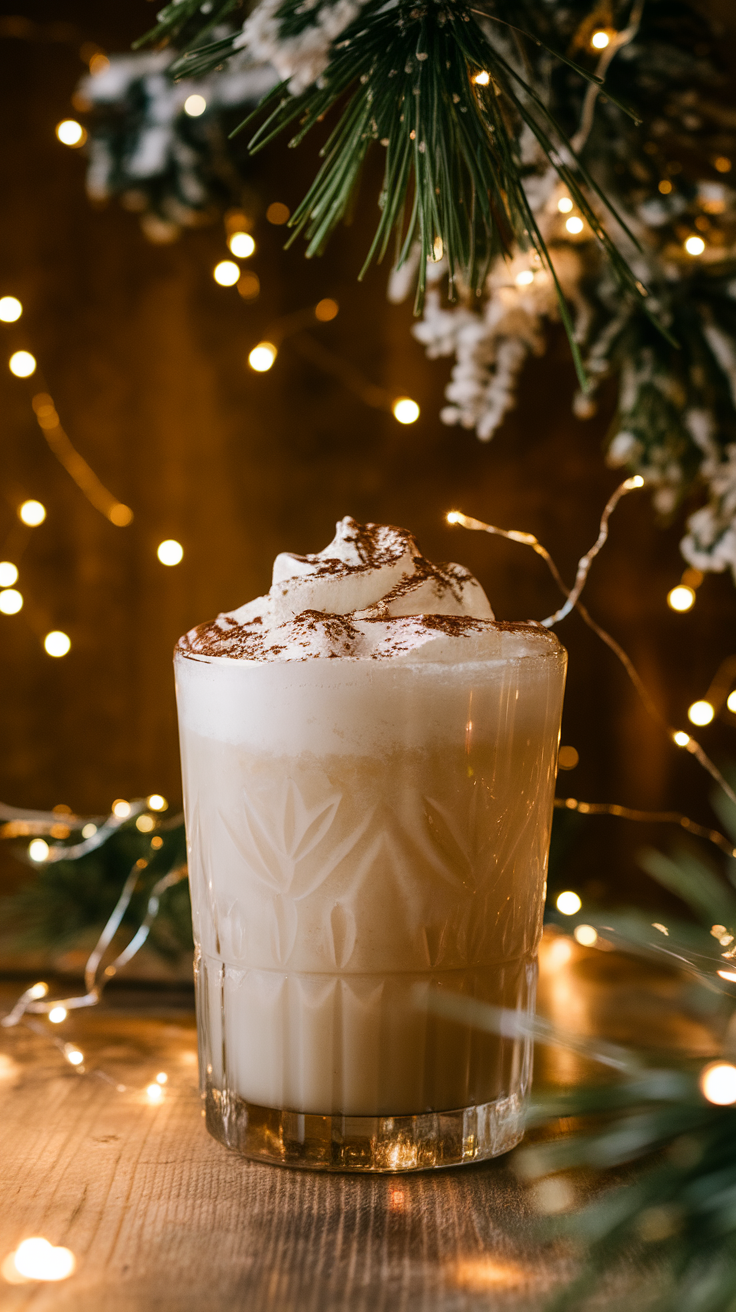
{"type": "Point", "coordinates": [369, 594]}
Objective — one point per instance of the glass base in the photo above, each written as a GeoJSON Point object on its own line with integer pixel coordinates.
{"type": "Point", "coordinates": [364, 1143]}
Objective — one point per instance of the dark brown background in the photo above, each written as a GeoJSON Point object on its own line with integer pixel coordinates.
{"type": "Point", "coordinates": [144, 356]}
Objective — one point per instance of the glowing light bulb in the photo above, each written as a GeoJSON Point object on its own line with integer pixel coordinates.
{"type": "Point", "coordinates": [718, 1083]}
{"type": "Point", "coordinates": [8, 574]}
{"type": "Point", "coordinates": [57, 643]}
{"type": "Point", "coordinates": [89, 830]}
{"type": "Point", "coordinates": [730, 975]}
{"type": "Point", "coordinates": [564, 204]}
{"type": "Point", "coordinates": [11, 601]}
{"type": "Point", "coordinates": [482, 79]}
{"type": "Point", "coordinates": [405, 410]}
{"type": "Point", "coordinates": [195, 105]}
{"type": "Point", "coordinates": [681, 598]}
{"type": "Point", "coordinates": [453, 516]}
{"type": "Point", "coordinates": [37, 991]}
{"type": "Point", "coordinates": [121, 809]}
{"type": "Point", "coordinates": [37, 1259]}
{"type": "Point", "coordinates": [600, 40]}
{"type": "Point", "coordinates": [700, 712]}
{"type": "Point", "coordinates": [524, 278]}
{"type": "Point", "coordinates": [73, 1055]}
{"type": "Point", "coordinates": [585, 935]}
{"type": "Point", "coordinates": [326, 309]}
{"type": "Point", "coordinates": [162, 1078]}
{"type": "Point", "coordinates": [57, 1015]}
{"type": "Point", "coordinates": [695, 245]}
{"type": "Point", "coordinates": [22, 364]}
{"type": "Point", "coordinates": [262, 357]}
{"type": "Point", "coordinates": [170, 552]}
{"type": "Point", "coordinates": [71, 133]}
{"type": "Point", "coordinates": [574, 224]}
{"type": "Point", "coordinates": [145, 823]}
{"type": "Point", "coordinates": [241, 244]}
{"type": "Point", "coordinates": [226, 273]}
{"type": "Point", "coordinates": [38, 850]}
{"type": "Point", "coordinates": [568, 903]}
{"type": "Point", "coordinates": [682, 739]}
{"type": "Point", "coordinates": [731, 702]}
{"type": "Point", "coordinates": [154, 1093]}
{"type": "Point", "coordinates": [10, 309]}
{"type": "Point", "coordinates": [156, 802]}
{"type": "Point", "coordinates": [32, 513]}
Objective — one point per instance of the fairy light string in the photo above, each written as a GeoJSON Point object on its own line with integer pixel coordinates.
{"type": "Point", "coordinates": [677, 736]}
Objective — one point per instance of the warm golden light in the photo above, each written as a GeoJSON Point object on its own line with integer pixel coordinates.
{"type": "Point", "coordinates": [482, 79]}
{"type": "Point", "coordinates": [121, 809]}
{"type": "Point", "coordinates": [405, 410]}
{"type": "Point", "coordinates": [120, 515]}
{"type": "Point", "coordinates": [22, 364]}
{"type": "Point", "coordinates": [57, 643]}
{"type": "Point", "coordinates": [564, 204]}
{"type": "Point", "coordinates": [157, 841]}
{"type": "Point", "coordinates": [162, 1078]}
{"type": "Point", "coordinates": [277, 213]}
{"type": "Point", "coordinates": [568, 757]}
{"type": "Point", "coordinates": [681, 598]}
{"type": "Point", "coordinates": [568, 903]}
{"type": "Point", "coordinates": [99, 63]}
{"type": "Point", "coordinates": [38, 849]}
{"type": "Point", "coordinates": [89, 830]}
{"type": "Point", "coordinates": [600, 40]}
{"type": "Point", "coordinates": [195, 105]}
{"type": "Point", "coordinates": [574, 224]}
{"type": "Point", "coordinates": [585, 935]}
{"type": "Point", "coordinates": [32, 513]}
{"type": "Point", "coordinates": [524, 278]}
{"type": "Point", "coordinates": [453, 516]}
{"type": "Point", "coordinates": [37, 991]}
{"type": "Point", "coordinates": [262, 357]}
{"type": "Point", "coordinates": [700, 712]}
{"type": "Point", "coordinates": [145, 823]}
{"type": "Point", "coordinates": [11, 601]}
{"type": "Point", "coordinates": [681, 739]}
{"type": "Point", "coordinates": [57, 1015]}
{"type": "Point", "coordinates": [695, 245]}
{"type": "Point", "coordinates": [156, 802]}
{"type": "Point", "coordinates": [730, 975]}
{"type": "Point", "coordinates": [438, 249]}
{"type": "Point", "coordinates": [731, 702]}
{"type": "Point", "coordinates": [10, 309]}
{"type": "Point", "coordinates": [154, 1093]}
{"type": "Point", "coordinates": [71, 133]}
{"type": "Point", "coordinates": [73, 1055]}
{"type": "Point", "coordinates": [326, 309]}
{"type": "Point", "coordinates": [226, 273]}
{"type": "Point", "coordinates": [170, 552]}
{"type": "Point", "coordinates": [718, 1083]}
{"type": "Point", "coordinates": [249, 285]}
{"type": "Point", "coordinates": [241, 244]}
{"type": "Point", "coordinates": [722, 164]}
{"type": "Point", "coordinates": [37, 1259]}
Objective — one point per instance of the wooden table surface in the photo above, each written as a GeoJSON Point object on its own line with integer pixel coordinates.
{"type": "Point", "coordinates": [159, 1216]}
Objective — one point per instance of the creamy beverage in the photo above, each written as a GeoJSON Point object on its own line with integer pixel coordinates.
{"type": "Point", "coordinates": [369, 763]}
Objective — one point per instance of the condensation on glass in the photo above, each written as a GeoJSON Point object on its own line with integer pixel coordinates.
{"type": "Point", "coordinates": [367, 836]}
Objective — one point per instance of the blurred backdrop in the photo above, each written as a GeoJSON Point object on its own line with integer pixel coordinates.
{"type": "Point", "coordinates": [145, 356]}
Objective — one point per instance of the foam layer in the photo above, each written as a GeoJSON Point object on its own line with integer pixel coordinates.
{"type": "Point", "coordinates": [370, 594]}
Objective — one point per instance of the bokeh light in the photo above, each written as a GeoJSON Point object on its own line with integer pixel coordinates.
{"type": "Point", "coordinates": [156, 802]}
{"type": "Point", "coordinates": [585, 935]}
{"type": "Point", "coordinates": [567, 758]}
{"type": "Point", "coordinates": [11, 601]}
{"type": "Point", "coordinates": [326, 309]}
{"type": "Point", "coordinates": [57, 643]}
{"type": "Point", "coordinates": [695, 245]}
{"type": "Point", "coordinates": [226, 273]}
{"type": "Point", "coordinates": [145, 823]}
{"type": "Point", "coordinates": [249, 285]}
{"type": "Point", "coordinates": [262, 357]}
{"type": "Point", "coordinates": [524, 278]}
{"type": "Point", "coordinates": [564, 204]}
{"type": "Point", "coordinates": [681, 598]}
{"type": "Point", "coordinates": [32, 513]}
{"type": "Point", "coordinates": [195, 105]}
{"type": "Point", "coordinates": [154, 1093]}
{"type": "Point", "coordinates": [10, 309]}
{"type": "Point", "coordinates": [22, 364]}
{"type": "Point", "coordinates": [170, 552]}
{"type": "Point", "coordinates": [568, 903]}
{"type": "Point", "coordinates": [57, 1015]}
{"type": "Point", "coordinates": [89, 830]}
{"type": "Point", "coordinates": [680, 738]}
{"type": "Point", "coordinates": [37, 1259]}
{"type": "Point", "coordinates": [241, 244]}
{"type": "Point", "coordinates": [71, 133]}
{"type": "Point", "coordinates": [701, 712]}
{"type": "Point", "coordinates": [482, 79]}
{"type": "Point", "coordinates": [278, 213]}
{"type": "Point", "coordinates": [731, 702]}
{"type": "Point", "coordinates": [38, 849]}
{"type": "Point", "coordinates": [718, 1083]}
{"type": "Point", "coordinates": [574, 225]}
{"type": "Point", "coordinates": [120, 808]}
{"type": "Point", "coordinates": [600, 40]}
{"type": "Point", "coordinates": [405, 410]}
